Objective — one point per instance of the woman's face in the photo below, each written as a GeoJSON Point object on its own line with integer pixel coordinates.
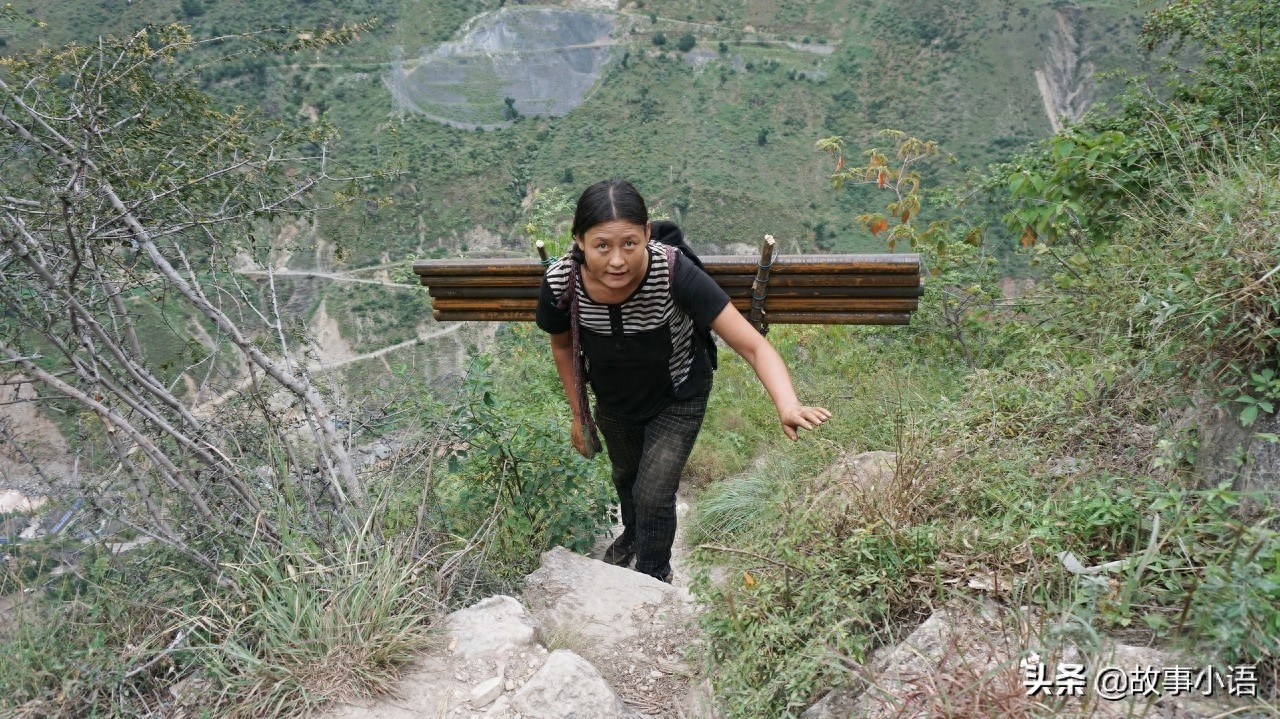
{"type": "Point", "coordinates": [616, 257]}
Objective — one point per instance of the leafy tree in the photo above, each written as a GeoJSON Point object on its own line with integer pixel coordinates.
{"type": "Point", "coordinates": [659, 38]}
{"type": "Point", "coordinates": [125, 188]}
{"type": "Point", "coordinates": [1239, 41]}
{"type": "Point", "coordinates": [686, 42]}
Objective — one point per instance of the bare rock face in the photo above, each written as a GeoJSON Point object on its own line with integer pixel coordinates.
{"type": "Point", "coordinates": [568, 687]}
{"type": "Point", "coordinates": [606, 604]}
{"type": "Point", "coordinates": [487, 649]}
{"type": "Point", "coordinates": [633, 628]}
{"type": "Point", "coordinates": [492, 661]}
{"type": "Point", "coordinates": [837, 704]}
{"type": "Point", "coordinates": [1224, 442]}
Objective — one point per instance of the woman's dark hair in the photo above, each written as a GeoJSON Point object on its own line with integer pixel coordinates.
{"type": "Point", "coordinates": [606, 201]}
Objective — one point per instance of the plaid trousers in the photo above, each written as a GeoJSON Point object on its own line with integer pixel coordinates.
{"type": "Point", "coordinates": [648, 458]}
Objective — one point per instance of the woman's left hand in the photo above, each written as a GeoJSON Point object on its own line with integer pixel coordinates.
{"type": "Point", "coordinates": [802, 416]}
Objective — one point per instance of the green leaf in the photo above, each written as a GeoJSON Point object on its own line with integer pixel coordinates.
{"type": "Point", "coordinates": [1249, 414]}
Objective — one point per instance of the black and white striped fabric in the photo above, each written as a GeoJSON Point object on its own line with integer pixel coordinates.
{"type": "Point", "coordinates": [641, 353]}
{"type": "Point", "coordinates": [651, 308]}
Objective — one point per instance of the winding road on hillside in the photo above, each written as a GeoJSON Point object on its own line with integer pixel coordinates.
{"type": "Point", "coordinates": [335, 276]}
{"type": "Point", "coordinates": [325, 366]}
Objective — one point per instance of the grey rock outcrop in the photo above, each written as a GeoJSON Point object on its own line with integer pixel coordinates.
{"type": "Point", "coordinates": [633, 628]}
{"type": "Point", "coordinates": [1224, 442]}
{"type": "Point", "coordinates": [484, 647]}
{"type": "Point", "coordinates": [970, 656]}
{"type": "Point", "coordinates": [604, 603]}
{"type": "Point", "coordinates": [492, 628]}
{"type": "Point", "coordinates": [493, 662]}
{"type": "Point", "coordinates": [568, 687]}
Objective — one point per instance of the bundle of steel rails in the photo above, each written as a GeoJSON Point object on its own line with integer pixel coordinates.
{"type": "Point", "coordinates": [849, 289]}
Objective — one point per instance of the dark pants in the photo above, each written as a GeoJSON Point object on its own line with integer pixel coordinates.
{"type": "Point", "coordinates": [648, 458]}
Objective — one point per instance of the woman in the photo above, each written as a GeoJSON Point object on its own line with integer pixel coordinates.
{"type": "Point", "coordinates": [641, 312]}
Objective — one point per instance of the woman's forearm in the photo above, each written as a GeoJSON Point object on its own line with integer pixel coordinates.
{"type": "Point", "coordinates": [765, 360]}
{"type": "Point", "coordinates": [772, 371]}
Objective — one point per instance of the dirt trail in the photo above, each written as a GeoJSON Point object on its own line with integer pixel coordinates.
{"type": "Point", "coordinates": [325, 366]}
{"type": "Point", "coordinates": [335, 276]}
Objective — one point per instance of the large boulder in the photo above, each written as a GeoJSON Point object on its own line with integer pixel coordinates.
{"type": "Point", "coordinates": [632, 627]}
{"type": "Point", "coordinates": [603, 603]}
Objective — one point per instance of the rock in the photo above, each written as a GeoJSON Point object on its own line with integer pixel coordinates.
{"type": "Point", "coordinates": [492, 628]}
{"type": "Point", "coordinates": [603, 603]}
{"type": "Point", "coordinates": [1223, 441]}
{"type": "Point", "coordinates": [865, 471]}
{"type": "Point", "coordinates": [961, 656]}
{"type": "Point", "coordinates": [837, 704]}
{"type": "Point", "coordinates": [568, 687]}
{"type": "Point", "coordinates": [867, 482]}
{"type": "Point", "coordinates": [485, 692]}
{"type": "Point", "coordinates": [380, 450]}
{"type": "Point", "coordinates": [501, 708]}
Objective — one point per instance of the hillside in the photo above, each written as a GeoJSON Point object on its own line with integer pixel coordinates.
{"type": "Point", "coordinates": [243, 474]}
{"type": "Point", "coordinates": [720, 138]}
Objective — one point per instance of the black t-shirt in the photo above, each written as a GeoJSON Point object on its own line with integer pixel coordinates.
{"type": "Point", "coordinates": [643, 352]}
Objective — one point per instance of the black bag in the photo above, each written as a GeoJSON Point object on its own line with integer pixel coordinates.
{"type": "Point", "coordinates": [668, 233]}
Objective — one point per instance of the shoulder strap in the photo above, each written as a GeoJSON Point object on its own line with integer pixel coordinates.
{"type": "Point", "coordinates": [671, 253]}
{"type": "Point", "coordinates": [569, 300]}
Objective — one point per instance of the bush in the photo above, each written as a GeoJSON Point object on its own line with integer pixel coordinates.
{"type": "Point", "coordinates": [686, 43]}
{"type": "Point", "coordinates": [514, 477]}
{"type": "Point", "coordinates": [659, 39]}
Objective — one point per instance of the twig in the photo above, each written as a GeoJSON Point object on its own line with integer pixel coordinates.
{"type": "Point", "coordinates": [182, 633]}
{"type": "Point", "coordinates": [731, 550]}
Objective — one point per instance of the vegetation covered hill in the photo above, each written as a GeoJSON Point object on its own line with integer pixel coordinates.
{"type": "Point", "coordinates": [720, 138]}
{"type": "Point", "coordinates": [716, 126]}
{"type": "Point", "coordinates": [1069, 420]}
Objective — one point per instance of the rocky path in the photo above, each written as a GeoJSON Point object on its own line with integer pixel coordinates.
{"type": "Point", "coordinates": [585, 640]}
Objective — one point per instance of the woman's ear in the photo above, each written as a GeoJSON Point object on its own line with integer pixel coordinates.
{"type": "Point", "coordinates": [648, 231]}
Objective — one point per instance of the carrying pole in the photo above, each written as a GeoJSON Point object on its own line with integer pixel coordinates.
{"type": "Point", "coordinates": [760, 287]}
{"type": "Point", "coordinates": [542, 252]}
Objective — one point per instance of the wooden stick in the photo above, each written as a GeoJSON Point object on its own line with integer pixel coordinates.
{"type": "Point", "coordinates": [908, 264]}
{"type": "Point", "coordinates": [760, 287]}
{"type": "Point", "coordinates": [531, 292]}
{"type": "Point", "coordinates": [542, 252]}
{"type": "Point", "coordinates": [776, 292]}
{"type": "Point", "coordinates": [743, 304]}
{"type": "Point", "coordinates": [779, 318]}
